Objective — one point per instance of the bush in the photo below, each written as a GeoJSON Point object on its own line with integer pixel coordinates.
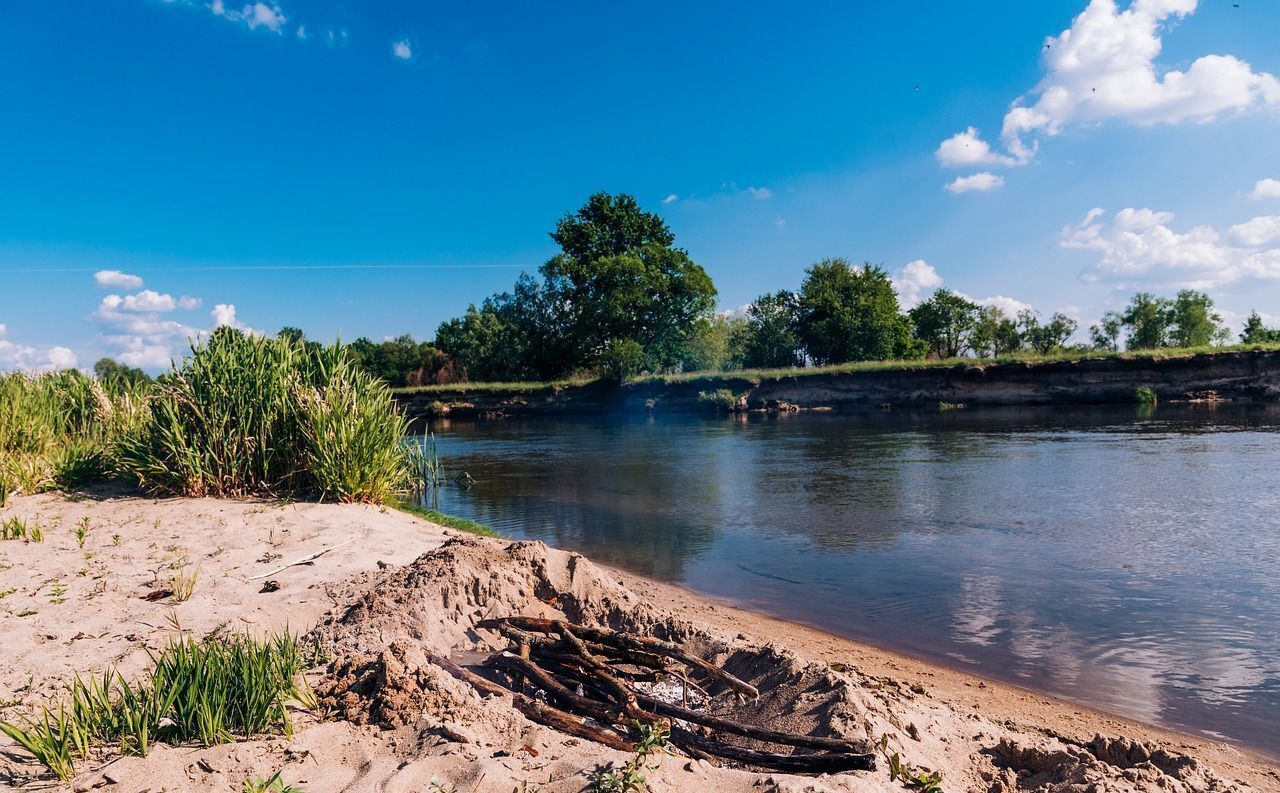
{"type": "Point", "coordinates": [245, 415]}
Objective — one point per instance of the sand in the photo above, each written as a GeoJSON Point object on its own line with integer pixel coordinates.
{"type": "Point", "coordinates": [393, 584]}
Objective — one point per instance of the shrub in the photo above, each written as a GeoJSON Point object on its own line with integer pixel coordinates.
{"type": "Point", "coordinates": [244, 415]}
{"type": "Point", "coordinates": [1145, 396]}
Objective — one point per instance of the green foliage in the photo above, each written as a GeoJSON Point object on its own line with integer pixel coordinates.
{"type": "Point", "coordinates": [722, 399]}
{"type": "Point", "coordinates": [271, 784]}
{"type": "Point", "coordinates": [448, 521]}
{"type": "Point", "coordinates": [1144, 395]}
{"type": "Point", "coordinates": [917, 779]}
{"type": "Point", "coordinates": [1155, 322]}
{"type": "Point", "coordinates": [630, 778]}
{"type": "Point", "coordinates": [1048, 337]}
{"type": "Point", "coordinates": [246, 415]}
{"type": "Point", "coordinates": [1256, 333]}
{"type": "Point", "coordinates": [618, 285]}
{"type": "Point", "coordinates": [1148, 319]}
{"type": "Point", "coordinates": [207, 692]}
{"type": "Point", "coordinates": [849, 313]}
{"type": "Point", "coordinates": [397, 362]}
{"type": "Point", "coordinates": [945, 323]}
{"type": "Point", "coordinates": [13, 529]}
{"type": "Point", "coordinates": [994, 335]}
{"type": "Point", "coordinates": [1106, 334]}
{"type": "Point", "coordinates": [82, 531]}
{"type": "Point", "coordinates": [1195, 323]}
{"type": "Point", "coordinates": [771, 335]}
{"type": "Point", "coordinates": [116, 376]}
{"type": "Point", "coordinates": [714, 344]}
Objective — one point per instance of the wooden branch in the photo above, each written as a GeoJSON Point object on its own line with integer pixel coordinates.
{"type": "Point", "coordinates": [303, 560]}
{"type": "Point", "coordinates": [626, 641]}
{"type": "Point", "coordinates": [539, 712]}
{"type": "Point", "coordinates": [824, 763]}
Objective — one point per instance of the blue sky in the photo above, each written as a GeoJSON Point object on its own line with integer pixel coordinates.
{"type": "Point", "coordinates": [372, 168]}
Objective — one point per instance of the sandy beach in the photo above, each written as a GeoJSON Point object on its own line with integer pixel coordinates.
{"type": "Point", "coordinates": [391, 587]}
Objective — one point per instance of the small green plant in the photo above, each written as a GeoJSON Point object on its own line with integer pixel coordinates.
{"type": "Point", "coordinates": [205, 693]}
{"type": "Point", "coordinates": [950, 406]}
{"type": "Point", "coordinates": [58, 593]}
{"type": "Point", "coordinates": [722, 399]}
{"type": "Point", "coordinates": [630, 778]}
{"type": "Point", "coordinates": [1144, 396]}
{"type": "Point", "coordinates": [183, 583]}
{"type": "Point", "coordinates": [924, 781]}
{"type": "Point", "coordinates": [115, 539]}
{"type": "Point", "coordinates": [271, 784]}
{"type": "Point", "coordinates": [82, 531]}
{"type": "Point", "coordinates": [35, 533]}
{"type": "Point", "coordinates": [13, 529]}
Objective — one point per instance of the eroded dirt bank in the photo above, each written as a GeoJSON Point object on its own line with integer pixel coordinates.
{"type": "Point", "coordinates": [1243, 376]}
{"type": "Point", "coordinates": [394, 587]}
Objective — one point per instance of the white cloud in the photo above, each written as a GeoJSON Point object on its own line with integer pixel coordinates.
{"type": "Point", "coordinates": [30, 358]}
{"type": "Point", "coordinates": [1266, 188]}
{"type": "Point", "coordinates": [966, 149]}
{"type": "Point", "coordinates": [402, 50]}
{"type": "Point", "coordinates": [1140, 244]}
{"type": "Point", "coordinates": [979, 182]}
{"type": "Point", "coordinates": [254, 15]}
{"type": "Point", "coordinates": [148, 300]}
{"type": "Point", "coordinates": [224, 315]}
{"type": "Point", "coordinates": [302, 32]}
{"type": "Point", "coordinates": [760, 193]}
{"type": "Point", "coordinates": [117, 279]}
{"type": "Point", "coordinates": [187, 303]}
{"type": "Point", "coordinates": [913, 280]}
{"type": "Point", "coordinates": [1103, 68]}
{"type": "Point", "coordinates": [1010, 306]}
{"type": "Point", "coordinates": [671, 198]}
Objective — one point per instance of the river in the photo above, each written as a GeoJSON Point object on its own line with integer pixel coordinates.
{"type": "Point", "coordinates": [1127, 559]}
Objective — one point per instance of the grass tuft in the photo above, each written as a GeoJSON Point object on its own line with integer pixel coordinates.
{"type": "Point", "coordinates": [448, 521]}
{"type": "Point", "coordinates": [205, 693]}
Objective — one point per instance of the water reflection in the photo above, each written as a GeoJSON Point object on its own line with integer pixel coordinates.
{"type": "Point", "coordinates": [1126, 560]}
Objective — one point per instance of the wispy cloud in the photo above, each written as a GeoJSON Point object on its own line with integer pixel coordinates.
{"type": "Point", "coordinates": [253, 15]}
{"type": "Point", "coordinates": [979, 182]}
{"type": "Point", "coordinates": [671, 198]}
{"type": "Point", "coordinates": [114, 279]}
{"type": "Point", "coordinates": [760, 193]}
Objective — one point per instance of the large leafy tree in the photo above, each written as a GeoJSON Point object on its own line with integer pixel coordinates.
{"type": "Point", "coordinates": [1257, 333]}
{"type": "Point", "coordinates": [1195, 323]}
{"type": "Point", "coordinates": [848, 313]}
{"type": "Point", "coordinates": [770, 337]}
{"type": "Point", "coordinates": [1105, 335]}
{"type": "Point", "coordinates": [1148, 319]}
{"type": "Point", "coordinates": [944, 322]}
{"type": "Point", "coordinates": [994, 334]}
{"type": "Point", "coordinates": [1046, 337]}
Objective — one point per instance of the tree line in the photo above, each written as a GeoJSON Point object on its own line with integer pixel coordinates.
{"type": "Point", "coordinates": [620, 298]}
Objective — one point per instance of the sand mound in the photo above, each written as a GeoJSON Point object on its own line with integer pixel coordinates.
{"type": "Point", "coordinates": [1112, 764]}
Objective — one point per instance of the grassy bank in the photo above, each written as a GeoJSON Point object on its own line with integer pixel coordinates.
{"type": "Point", "coordinates": [241, 415]}
{"type": "Point", "coordinates": [764, 375]}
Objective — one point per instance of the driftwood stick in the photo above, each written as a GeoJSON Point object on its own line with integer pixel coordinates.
{"type": "Point", "coordinates": [615, 639]}
{"type": "Point", "coordinates": [537, 711]}
{"type": "Point", "coordinates": [748, 731]}
{"type": "Point", "coordinates": [303, 560]}
{"type": "Point", "coordinates": [825, 763]}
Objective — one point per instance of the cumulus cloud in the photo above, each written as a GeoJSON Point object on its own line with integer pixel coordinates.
{"type": "Point", "coordinates": [1010, 306]}
{"type": "Point", "coordinates": [913, 280]}
{"type": "Point", "coordinates": [114, 279]}
{"type": "Point", "coordinates": [1141, 244]}
{"type": "Point", "coordinates": [1266, 188]}
{"type": "Point", "coordinates": [402, 50]}
{"type": "Point", "coordinates": [1103, 68]}
{"type": "Point", "coordinates": [978, 182]}
{"type": "Point", "coordinates": [187, 303]}
{"type": "Point", "coordinates": [966, 149]}
{"type": "Point", "coordinates": [32, 358]}
{"type": "Point", "coordinates": [760, 193]}
{"type": "Point", "coordinates": [254, 15]}
{"type": "Point", "coordinates": [224, 315]}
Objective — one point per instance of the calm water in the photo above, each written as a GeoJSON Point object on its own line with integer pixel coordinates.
{"type": "Point", "coordinates": [1125, 561]}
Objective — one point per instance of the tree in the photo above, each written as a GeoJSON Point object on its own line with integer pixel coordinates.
{"type": "Point", "coordinates": [1148, 319]}
{"type": "Point", "coordinates": [1194, 322]}
{"type": "Point", "coordinates": [1048, 337]}
{"type": "Point", "coordinates": [715, 344]}
{"type": "Point", "coordinates": [113, 374]}
{"type": "Point", "coordinates": [848, 313]}
{"type": "Point", "coordinates": [944, 323]}
{"type": "Point", "coordinates": [770, 339]}
{"type": "Point", "coordinates": [1257, 333]}
{"type": "Point", "coordinates": [1106, 334]}
{"type": "Point", "coordinates": [609, 225]}
{"type": "Point", "coordinates": [483, 345]}
{"type": "Point", "coordinates": [994, 334]}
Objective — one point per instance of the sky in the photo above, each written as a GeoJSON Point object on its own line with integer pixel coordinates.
{"type": "Point", "coordinates": [370, 169]}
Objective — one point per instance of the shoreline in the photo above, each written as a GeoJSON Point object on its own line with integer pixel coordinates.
{"type": "Point", "coordinates": [966, 720]}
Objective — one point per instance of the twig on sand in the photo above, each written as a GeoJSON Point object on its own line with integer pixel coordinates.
{"type": "Point", "coordinates": [303, 560]}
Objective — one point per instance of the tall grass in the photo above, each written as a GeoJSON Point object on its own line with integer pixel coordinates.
{"type": "Point", "coordinates": [245, 415]}
{"type": "Point", "coordinates": [207, 693]}
{"type": "Point", "coordinates": [60, 429]}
